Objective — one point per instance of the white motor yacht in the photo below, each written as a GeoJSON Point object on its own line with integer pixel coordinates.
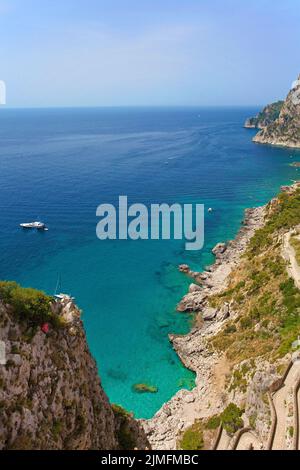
{"type": "Point", "coordinates": [37, 225]}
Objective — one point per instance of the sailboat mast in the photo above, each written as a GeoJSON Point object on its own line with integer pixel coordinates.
{"type": "Point", "coordinates": [58, 285]}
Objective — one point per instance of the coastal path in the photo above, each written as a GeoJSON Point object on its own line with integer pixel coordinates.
{"type": "Point", "coordinates": [289, 255]}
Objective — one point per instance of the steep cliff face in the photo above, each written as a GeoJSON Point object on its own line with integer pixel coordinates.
{"type": "Point", "coordinates": [266, 117]}
{"type": "Point", "coordinates": [50, 393]}
{"type": "Point", "coordinates": [50, 396]}
{"type": "Point", "coordinates": [285, 130]}
{"type": "Point", "coordinates": [244, 337]}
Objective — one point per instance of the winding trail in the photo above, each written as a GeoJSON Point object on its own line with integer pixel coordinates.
{"type": "Point", "coordinates": [281, 397]}
{"type": "Point", "coordinates": [249, 441]}
{"type": "Point", "coordinates": [289, 255]}
{"type": "Point", "coordinates": [224, 441]}
{"type": "Point", "coordinates": [280, 400]}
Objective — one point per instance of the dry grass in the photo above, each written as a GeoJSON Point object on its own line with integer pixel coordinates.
{"type": "Point", "coordinates": [265, 300]}
{"type": "Point", "coordinates": [295, 242]}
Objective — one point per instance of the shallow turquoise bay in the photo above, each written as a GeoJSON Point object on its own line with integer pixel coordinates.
{"type": "Point", "coordinates": [60, 164]}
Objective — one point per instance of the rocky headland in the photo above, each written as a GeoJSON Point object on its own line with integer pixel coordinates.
{"type": "Point", "coordinates": [208, 397]}
{"type": "Point", "coordinates": [236, 348]}
{"type": "Point", "coordinates": [281, 126]}
{"type": "Point", "coordinates": [50, 392]}
{"type": "Point", "coordinates": [266, 117]}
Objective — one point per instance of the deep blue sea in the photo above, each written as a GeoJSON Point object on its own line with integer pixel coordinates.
{"type": "Point", "coordinates": [58, 165]}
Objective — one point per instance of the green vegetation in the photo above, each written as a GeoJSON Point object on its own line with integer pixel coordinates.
{"type": "Point", "coordinates": [29, 305]}
{"type": "Point", "coordinates": [120, 412]}
{"type": "Point", "coordinates": [295, 242]}
{"type": "Point", "coordinates": [57, 428]}
{"type": "Point", "coordinates": [125, 436]}
{"type": "Point", "coordinates": [268, 115]}
{"type": "Point", "coordinates": [231, 418]}
{"type": "Point", "coordinates": [213, 422]}
{"type": "Point", "coordinates": [144, 388]}
{"type": "Point", "coordinates": [239, 378]}
{"type": "Point", "coordinates": [192, 438]}
{"type": "Point", "coordinates": [264, 297]}
{"type": "Point", "coordinates": [271, 112]}
{"type": "Point", "coordinates": [201, 435]}
{"type": "Point", "coordinates": [15, 349]}
{"type": "Point", "coordinates": [285, 215]}
{"type": "Point", "coordinates": [252, 420]}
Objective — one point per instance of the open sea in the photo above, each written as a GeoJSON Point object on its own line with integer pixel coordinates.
{"type": "Point", "coordinates": [58, 165]}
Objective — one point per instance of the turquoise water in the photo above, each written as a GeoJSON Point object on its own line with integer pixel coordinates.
{"type": "Point", "coordinates": [58, 165]}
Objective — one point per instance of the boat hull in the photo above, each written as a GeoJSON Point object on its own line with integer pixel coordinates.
{"type": "Point", "coordinates": [33, 225]}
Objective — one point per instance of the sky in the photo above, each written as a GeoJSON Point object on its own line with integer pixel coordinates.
{"type": "Point", "coordinates": [142, 52]}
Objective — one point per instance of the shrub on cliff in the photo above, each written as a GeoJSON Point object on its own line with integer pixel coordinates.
{"type": "Point", "coordinates": [28, 304]}
{"type": "Point", "coordinates": [213, 422]}
{"type": "Point", "coordinates": [286, 215]}
{"type": "Point", "coordinates": [261, 293]}
{"type": "Point", "coordinates": [295, 242]}
{"type": "Point", "coordinates": [124, 434]}
{"type": "Point", "coordinates": [231, 418]}
{"type": "Point", "coordinates": [192, 438]}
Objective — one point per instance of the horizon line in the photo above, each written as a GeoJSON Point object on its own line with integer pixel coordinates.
{"type": "Point", "coordinates": [7, 107]}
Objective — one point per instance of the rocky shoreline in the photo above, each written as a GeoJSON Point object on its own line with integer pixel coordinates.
{"type": "Point", "coordinates": [282, 141]}
{"type": "Point", "coordinates": [207, 398]}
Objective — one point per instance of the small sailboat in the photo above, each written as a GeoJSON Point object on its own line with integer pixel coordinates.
{"type": "Point", "coordinates": [36, 225]}
{"type": "Point", "coordinates": [59, 296]}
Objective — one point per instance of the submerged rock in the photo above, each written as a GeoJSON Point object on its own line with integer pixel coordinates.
{"type": "Point", "coordinates": [184, 268]}
{"type": "Point", "coordinates": [144, 388]}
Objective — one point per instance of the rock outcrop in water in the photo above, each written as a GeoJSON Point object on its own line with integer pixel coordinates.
{"type": "Point", "coordinates": [285, 130]}
{"type": "Point", "coordinates": [50, 393]}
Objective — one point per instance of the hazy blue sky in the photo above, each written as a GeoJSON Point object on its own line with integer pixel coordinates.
{"type": "Point", "coordinates": [135, 52]}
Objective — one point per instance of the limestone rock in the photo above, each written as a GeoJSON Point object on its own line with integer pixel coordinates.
{"type": "Point", "coordinates": [194, 288]}
{"type": "Point", "coordinates": [50, 393]}
{"type": "Point", "coordinates": [184, 268]}
{"type": "Point", "coordinates": [219, 249]}
{"type": "Point", "coordinates": [209, 314]}
{"type": "Point", "coordinates": [285, 130]}
{"type": "Point", "coordinates": [223, 313]}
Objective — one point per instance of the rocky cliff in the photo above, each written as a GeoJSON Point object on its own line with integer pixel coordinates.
{"type": "Point", "coordinates": [285, 130]}
{"type": "Point", "coordinates": [246, 320]}
{"type": "Point", "coordinates": [266, 117]}
{"type": "Point", "coordinates": [50, 393]}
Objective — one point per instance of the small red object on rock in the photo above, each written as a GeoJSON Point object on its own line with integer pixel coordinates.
{"type": "Point", "coordinates": [45, 328]}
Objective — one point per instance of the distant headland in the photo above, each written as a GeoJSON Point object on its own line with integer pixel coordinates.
{"type": "Point", "coordinates": [279, 122]}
